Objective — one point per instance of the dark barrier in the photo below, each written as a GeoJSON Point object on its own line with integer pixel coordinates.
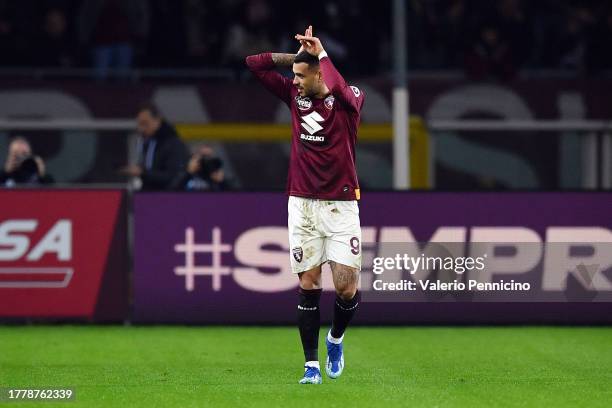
{"type": "Point", "coordinates": [225, 258]}
{"type": "Point", "coordinates": [63, 255]}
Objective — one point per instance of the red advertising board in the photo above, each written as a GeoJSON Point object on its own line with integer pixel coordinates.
{"type": "Point", "coordinates": [62, 253]}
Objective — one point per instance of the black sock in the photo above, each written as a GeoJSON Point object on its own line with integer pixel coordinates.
{"type": "Point", "coordinates": [344, 310]}
{"type": "Point", "coordinates": [309, 322]}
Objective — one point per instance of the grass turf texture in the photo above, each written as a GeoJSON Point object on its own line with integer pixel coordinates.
{"type": "Point", "coordinates": [253, 366]}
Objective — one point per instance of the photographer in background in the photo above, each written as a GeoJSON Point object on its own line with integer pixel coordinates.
{"type": "Point", "coordinates": [204, 173]}
{"type": "Point", "coordinates": [22, 167]}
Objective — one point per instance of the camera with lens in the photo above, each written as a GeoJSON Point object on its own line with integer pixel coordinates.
{"type": "Point", "coordinates": [209, 165]}
{"type": "Point", "coordinates": [27, 170]}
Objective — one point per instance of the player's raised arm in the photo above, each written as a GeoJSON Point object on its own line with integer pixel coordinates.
{"type": "Point", "coordinates": [350, 96]}
{"type": "Point", "coordinates": [263, 67]}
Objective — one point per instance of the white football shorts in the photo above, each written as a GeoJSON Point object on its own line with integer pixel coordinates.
{"type": "Point", "coordinates": [323, 230]}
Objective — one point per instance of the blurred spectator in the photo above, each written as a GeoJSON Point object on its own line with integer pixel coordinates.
{"type": "Point", "coordinates": [204, 172]}
{"type": "Point", "coordinates": [599, 56]}
{"type": "Point", "coordinates": [204, 26]}
{"type": "Point", "coordinates": [333, 31]}
{"type": "Point", "coordinates": [547, 18]}
{"type": "Point", "coordinates": [217, 34]}
{"type": "Point", "coordinates": [449, 31]}
{"type": "Point", "coordinates": [6, 36]}
{"type": "Point", "coordinates": [112, 28]}
{"type": "Point", "coordinates": [11, 41]}
{"type": "Point", "coordinates": [568, 46]}
{"type": "Point", "coordinates": [166, 40]}
{"type": "Point", "coordinates": [418, 34]}
{"type": "Point", "coordinates": [490, 57]}
{"type": "Point", "coordinates": [250, 34]}
{"type": "Point", "coordinates": [22, 167]}
{"type": "Point", "coordinates": [455, 28]}
{"type": "Point", "coordinates": [516, 29]}
{"type": "Point", "coordinates": [162, 156]}
{"type": "Point", "coordinates": [55, 46]}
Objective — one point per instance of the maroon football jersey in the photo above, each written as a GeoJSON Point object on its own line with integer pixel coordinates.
{"type": "Point", "coordinates": [324, 132]}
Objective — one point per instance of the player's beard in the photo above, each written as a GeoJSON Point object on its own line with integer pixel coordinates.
{"type": "Point", "coordinates": [308, 92]}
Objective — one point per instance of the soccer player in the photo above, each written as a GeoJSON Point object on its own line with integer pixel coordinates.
{"type": "Point", "coordinates": [323, 190]}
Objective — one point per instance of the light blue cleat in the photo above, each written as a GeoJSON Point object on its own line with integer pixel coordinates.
{"type": "Point", "coordinates": [335, 359]}
{"type": "Point", "coordinates": [312, 375]}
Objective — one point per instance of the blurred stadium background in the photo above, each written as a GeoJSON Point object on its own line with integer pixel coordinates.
{"type": "Point", "coordinates": [508, 127]}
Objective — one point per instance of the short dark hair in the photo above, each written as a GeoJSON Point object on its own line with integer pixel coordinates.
{"type": "Point", "coordinates": [307, 58]}
{"type": "Point", "coordinates": [151, 108]}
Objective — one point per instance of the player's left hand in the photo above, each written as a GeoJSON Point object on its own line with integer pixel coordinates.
{"type": "Point", "coordinates": [307, 33]}
{"type": "Point", "coordinates": [311, 45]}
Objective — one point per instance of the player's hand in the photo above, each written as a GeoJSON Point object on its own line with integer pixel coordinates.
{"type": "Point", "coordinates": [307, 33]}
{"type": "Point", "coordinates": [311, 45]}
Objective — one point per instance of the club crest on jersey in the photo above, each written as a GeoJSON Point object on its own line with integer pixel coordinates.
{"type": "Point", "coordinates": [298, 254]}
{"type": "Point", "coordinates": [329, 102]}
{"type": "Point", "coordinates": [303, 102]}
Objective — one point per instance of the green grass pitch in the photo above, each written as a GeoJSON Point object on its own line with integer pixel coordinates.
{"type": "Point", "coordinates": [255, 366]}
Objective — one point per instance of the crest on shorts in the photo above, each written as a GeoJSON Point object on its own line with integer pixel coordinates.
{"type": "Point", "coordinates": [298, 254]}
{"type": "Point", "coordinates": [329, 102]}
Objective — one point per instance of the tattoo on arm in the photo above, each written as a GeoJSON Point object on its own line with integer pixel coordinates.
{"type": "Point", "coordinates": [283, 59]}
